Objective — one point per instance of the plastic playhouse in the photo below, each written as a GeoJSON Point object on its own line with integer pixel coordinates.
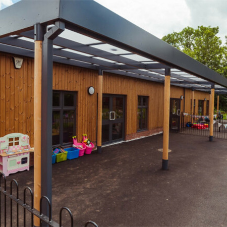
{"type": "Point", "coordinates": [14, 153]}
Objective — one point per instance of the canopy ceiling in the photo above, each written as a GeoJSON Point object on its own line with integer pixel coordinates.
{"type": "Point", "coordinates": [97, 38]}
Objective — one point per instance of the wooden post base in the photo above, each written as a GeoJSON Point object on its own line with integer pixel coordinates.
{"type": "Point", "coordinates": [210, 138]}
{"type": "Point", "coordinates": [99, 149]}
{"type": "Point", "coordinates": [165, 164]}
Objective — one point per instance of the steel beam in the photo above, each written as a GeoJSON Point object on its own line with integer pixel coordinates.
{"type": "Point", "coordinates": [46, 138]}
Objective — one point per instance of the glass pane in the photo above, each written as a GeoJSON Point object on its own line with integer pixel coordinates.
{"type": "Point", "coordinates": [117, 131]}
{"type": "Point", "coordinates": [144, 100]}
{"type": "Point", "coordinates": [174, 124]}
{"type": "Point", "coordinates": [105, 108]}
{"type": "Point", "coordinates": [139, 101]}
{"type": "Point", "coordinates": [68, 99]}
{"type": "Point", "coordinates": [118, 107]}
{"type": "Point", "coordinates": [105, 133]}
{"type": "Point", "coordinates": [56, 128]}
{"type": "Point", "coordinates": [56, 99]}
{"type": "Point", "coordinates": [173, 106]}
{"type": "Point", "coordinates": [68, 125]}
{"type": "Point", "coordinates": [138, 118]}
{"type": "Point", "coordinates": [200, 109]}
{"type": "Point", "coordinates": [144, 118]}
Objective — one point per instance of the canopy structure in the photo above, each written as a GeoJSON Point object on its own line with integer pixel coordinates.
{"type": "Point", "coordinates": [94, 37]}
{"type": "Point", "coordinates": [84, 33]}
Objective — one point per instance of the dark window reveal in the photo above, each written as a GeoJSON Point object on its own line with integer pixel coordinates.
{"type": "Point", "coordinates": [142, 113]}
{"type": "Point", "coordinates": [200, 107]}
{"type": "Point", "coordinates": [63, 117]}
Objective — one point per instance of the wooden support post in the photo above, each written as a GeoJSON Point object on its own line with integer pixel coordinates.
{"type": "Point", "coordinates": [193, 97]}
{"type": "Point", "coordinates": [37, 126]}
{"type": "Point", "coordinates": [99, 128]}
{"type": "Point", "coordinates": [211, 113]}
{"type": "Point", "coordinates": [217, 104]}
{"type": "Point", "coordinates": [166, 120]}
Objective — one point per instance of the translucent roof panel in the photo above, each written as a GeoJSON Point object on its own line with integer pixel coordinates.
{"type": "Point", "coordinates": [136, 57]}
{"type": "Point", "coordinates": [76, 37]}
{"type": "Point", "coordinates": [26, 39]}
{"type": "Point", "coordinates": [103, 59]}
{"type": "Point", "coordinates": [77, 52]}
{"type": "Point", "coordinates": [111, 49]}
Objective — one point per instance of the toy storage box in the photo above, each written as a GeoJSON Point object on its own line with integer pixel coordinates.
{"type": "Point", "coordinates": [53, 158]}
{"type": "Point", "coordinates": [72, 153]}
{"type": "Point", "coordinates": [61, 157]}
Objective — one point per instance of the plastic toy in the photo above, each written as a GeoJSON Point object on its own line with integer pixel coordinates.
{"type": "Point", "coordinates": [14, 153]}
{"type": "Point", "coordinates": [89, 145]}
{"type": "Point", "coordinates": [80, 146]}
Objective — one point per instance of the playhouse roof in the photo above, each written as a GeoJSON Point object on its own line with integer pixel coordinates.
{"type": "Point", "coordinates": [95, 38]}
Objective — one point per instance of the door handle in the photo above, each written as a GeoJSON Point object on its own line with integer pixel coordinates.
{"type": "Point", "coordinates": [110, 115]}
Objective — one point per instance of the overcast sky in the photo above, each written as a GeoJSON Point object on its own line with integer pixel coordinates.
{"type": "Point", "coordinates": [164, 16]}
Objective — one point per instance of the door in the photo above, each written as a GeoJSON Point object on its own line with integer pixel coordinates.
{"type": "Point", "coordinates": [175, 114]}
{"type": "Point", "coordinates": [113, 118]}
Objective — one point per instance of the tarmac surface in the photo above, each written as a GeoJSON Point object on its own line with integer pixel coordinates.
{"type": "Point", "coordinates": [125, 186]}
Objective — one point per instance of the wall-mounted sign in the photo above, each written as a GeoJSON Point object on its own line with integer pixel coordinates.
{"type": "Point", "coordinates": [18, 62]}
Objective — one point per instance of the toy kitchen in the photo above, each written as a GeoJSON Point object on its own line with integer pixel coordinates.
{"type": "Point", "coordinates": [14, 153]}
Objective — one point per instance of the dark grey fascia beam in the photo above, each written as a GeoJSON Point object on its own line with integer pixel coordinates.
{"type": "Point", "coordinates": [220, 93]}
{"type": "Point", "coordinates": [187, 82]}
{"type": "Point", "coordinates": [109, 27]}
{"type": "Point", "coordinates": [144, 66]}
{"type": "Point", "coordinates": [129, 74]}
{"type": "Point", "coordinates": [23, 15]}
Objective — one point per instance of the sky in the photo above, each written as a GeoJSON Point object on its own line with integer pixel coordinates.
{"type": "Point", "coordinates": [164, 16]}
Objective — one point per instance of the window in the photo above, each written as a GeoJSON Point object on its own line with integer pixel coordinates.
{"type": "Point", "coordinates": [193, 109]}
{"type": "Point", "coordinates": [207, 108]}
{"type": "Point", "coordinates": [142, 113]}
{"type": "Point", "coordinates": [200, 107]}
{"type": "Point", "coordinates": [63, 117]}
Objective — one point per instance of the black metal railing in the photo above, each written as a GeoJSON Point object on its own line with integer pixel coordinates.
{"type": "Point", "coordinates": [200, 126]}
{"type": "Point", "coordinates": [21, 220]}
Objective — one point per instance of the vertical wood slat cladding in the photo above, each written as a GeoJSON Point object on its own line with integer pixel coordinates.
{"type": "Point", "coordinates": [17, 97]}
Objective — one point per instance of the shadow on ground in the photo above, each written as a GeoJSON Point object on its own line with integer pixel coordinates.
{"type": "Point", "coordinates": [125, 186]}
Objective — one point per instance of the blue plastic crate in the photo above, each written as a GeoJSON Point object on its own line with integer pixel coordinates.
{"type": "Point", "coordinates": [53, 158]}
{"type": "Point", "coordinates": [72, 153]}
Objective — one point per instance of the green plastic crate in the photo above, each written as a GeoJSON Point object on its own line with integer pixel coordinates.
{"type": "Point", "coordinates": [61, 157]}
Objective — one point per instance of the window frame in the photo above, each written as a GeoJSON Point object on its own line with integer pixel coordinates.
{"type": "Point", "coordinates": [199, 102]}
{"type": "Point", "coordinates": [61, 108]}
{"type": "Point", "coordinates": [141, 107]}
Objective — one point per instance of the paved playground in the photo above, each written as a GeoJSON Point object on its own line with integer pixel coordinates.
{"type": "Point", "coordinates": [125, 186]}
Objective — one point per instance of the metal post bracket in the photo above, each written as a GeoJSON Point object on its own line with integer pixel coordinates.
{"type": "Point", "coordinates": [56, 30]}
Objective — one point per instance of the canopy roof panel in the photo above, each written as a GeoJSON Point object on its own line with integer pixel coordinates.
{"type": "Point", "coordinates": [97, 38]}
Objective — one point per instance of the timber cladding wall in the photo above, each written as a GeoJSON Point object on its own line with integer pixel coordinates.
{"type": "Point", "coordinates": [17, 97]}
